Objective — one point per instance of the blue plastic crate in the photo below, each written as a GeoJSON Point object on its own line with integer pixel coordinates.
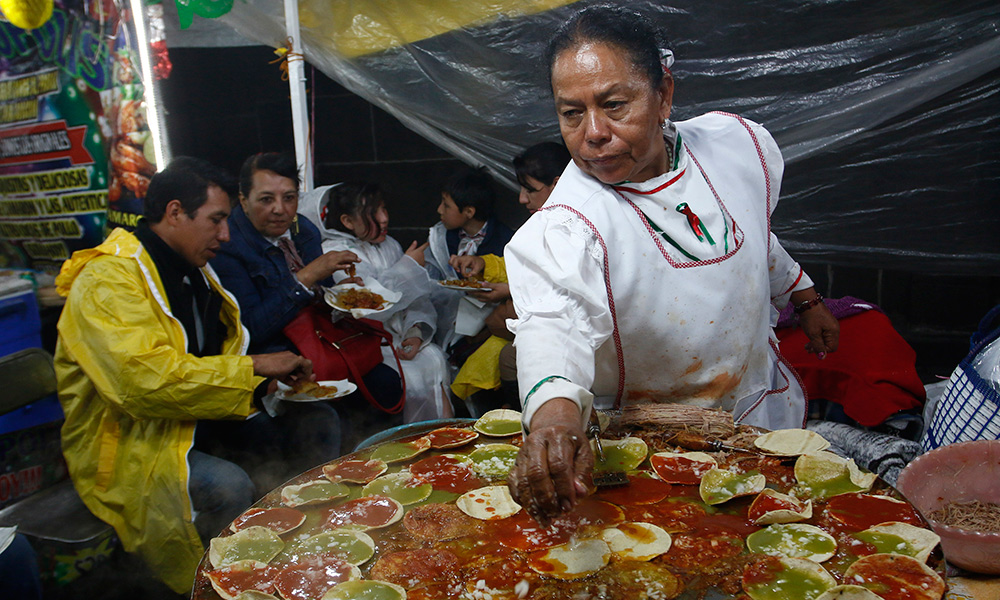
{"type": "Point", "coordinates": [20, 323]}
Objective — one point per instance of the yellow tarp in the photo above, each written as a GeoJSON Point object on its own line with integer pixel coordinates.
{"type": "Point", "coordinates": [356, 28]}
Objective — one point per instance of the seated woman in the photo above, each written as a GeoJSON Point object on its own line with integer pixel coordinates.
{"type": "Point", "coordinates": [274, 264]}
{"type": "Point", "coordinates": [357, 221]}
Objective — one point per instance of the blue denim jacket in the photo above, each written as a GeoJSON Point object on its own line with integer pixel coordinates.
{"type": "Point", "coordinates": [254, 270]}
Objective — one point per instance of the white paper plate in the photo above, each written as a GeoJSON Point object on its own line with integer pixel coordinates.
{"type": "Point", "coordinates": [464, 288]}
{"type": "Point", "coordinates": [344, 387]}
{"type": "Point", "coordinates": [391, 297]}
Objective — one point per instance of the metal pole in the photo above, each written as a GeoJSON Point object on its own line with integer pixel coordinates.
{"type": "Point", "coordinates": [297, 86]}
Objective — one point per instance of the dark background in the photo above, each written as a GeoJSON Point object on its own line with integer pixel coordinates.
{"type": "Point", "coordinates": [224, 104]}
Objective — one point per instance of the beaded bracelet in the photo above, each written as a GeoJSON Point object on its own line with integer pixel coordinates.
{"type": "Point", "coordinates": [804, 306]}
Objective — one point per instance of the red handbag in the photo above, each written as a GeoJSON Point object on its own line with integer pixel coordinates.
{"type": "Point", "coordinates": [346, 349]}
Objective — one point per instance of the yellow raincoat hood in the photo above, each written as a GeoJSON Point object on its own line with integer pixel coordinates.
{"type": "Point", "coordinates": [132, 396]}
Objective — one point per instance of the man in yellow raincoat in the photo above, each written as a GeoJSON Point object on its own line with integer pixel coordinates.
{"type": "Point", "coordinates": [151, 345]}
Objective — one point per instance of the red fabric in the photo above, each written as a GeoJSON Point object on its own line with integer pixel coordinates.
{"type": "Point", "coordinates": [872, 373]}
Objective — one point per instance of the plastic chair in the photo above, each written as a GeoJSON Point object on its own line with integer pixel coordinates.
{"type": "Point", "coordinates": [54, 518]}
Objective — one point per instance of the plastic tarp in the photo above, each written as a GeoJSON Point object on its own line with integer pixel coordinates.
{"type": "Point", "coordinates": [887, 112]}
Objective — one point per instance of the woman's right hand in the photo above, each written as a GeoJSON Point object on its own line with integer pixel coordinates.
{"type": "Point", "coordinates": [554, 465]}
{"type": "Point", "coordinates": [467, 266]}
{"type": "Point", "coordinates": [324, 266]}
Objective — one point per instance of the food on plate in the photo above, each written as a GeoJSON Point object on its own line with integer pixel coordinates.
{"type": "Point", "coordinates": [588, 519]}
{"type": "Point", "coordinates": [499, 422]}
{"type": "Point", "coordinates": [721, 485]}
{"type": "Point", "coordinates": [793, 540]}
{"type": "Point", "coordinates": [774, 507]}
{"type": "Point", "coordinates": [313, 492]}
{"type": "Point", "coordinates": [280, 519]}
{"type": "Point", "coordinates": [447, 474]}
{"type": "Point", "coordinates": [355, 471]}
{"type": "Point", "coordinates": [311, 388]}
{"type": "Point", "coordinates": [360, 298]}
{"type": "Point", "coordinates": [253, 543]}
{"type": "Point", "coordinates": [463, 283]}
{"type": "Point", "coordinates": [791, 442]}
{"type": "Point", "coordinates": [896, 577]}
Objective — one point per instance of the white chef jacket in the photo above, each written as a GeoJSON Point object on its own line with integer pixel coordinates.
{"type": "Point", "coordinates": [620, 300]}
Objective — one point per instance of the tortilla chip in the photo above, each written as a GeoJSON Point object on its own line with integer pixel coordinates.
{"type": "Point", "coordinates": [901, 538]}
{"type": "Point", "coordinates": [793, 540]}
{"type": "Point", "coordinates": [683, 468]}
{"type": "Point", "coordinates": [905, 576]}
{"type": "Point", "coordinates": [636, 540]}
{"type": "Point", "coordinates": [771, 507]}
{"type": "Point", "coordinates": [353, 547]}
{"type": "Point", "coordinates": [779, 578]}
{"type": "Point", "coordinates": [253, 543]}
{"type": "Point", "coordinates": [573, 560]}
{"type": "Point", "coordinates": [493, 460]}
{"type": "Point", "coordinates": [849, 592]}
{"type": "Point", "coordinates": [402, 487]}
{"type": "Point", "coordinates": [719, 485]}
{"type": "Point", "coordinates": [312, 492]}
{"type": "Point", "coordinates": [824, 475]}
{"type": "Point", "coordinates": [488, 503]}
{"type": "Point", "coordinates": [499, 422]}
{"type": "Point", "coordinates": [620, 456]}
{"type": "Point", "coordinates": [791, 442]}
{"type": "Point", "coordinates": [365, 590]}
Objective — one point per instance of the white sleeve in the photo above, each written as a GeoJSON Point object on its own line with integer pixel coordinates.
{"type": "Point", "coordinates": [556, 275]}
{"type": "Point", "coordinates": [785, 274]}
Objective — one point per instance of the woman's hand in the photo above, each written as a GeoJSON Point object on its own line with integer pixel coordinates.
{"type": "Point", "coordinates": [554, 465]}
{"type": "Point", "coordinates": [467, 266]}
{"type": "Point", "coordinates": [325, 265]}
{"type": "Point", "coordinates": [818, 323]}
{"type": "Point", "coordinates": [409, 348]}
{"type": "Point", "coordinates": [417, 252]}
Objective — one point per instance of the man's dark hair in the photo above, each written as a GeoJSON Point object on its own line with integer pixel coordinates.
{"type": "Point", "coordinates": [354, 199]}
{"type": "Point", "coordinates": [472, 187]}
{"type": "Point", "coordinates": [186, 179]}
{"type": "Point", "coordinates": [281, 163]}
{"type": "Point", "coordinates": [617, 26]}
{"type": "Point", "coordinates": [543, 162]}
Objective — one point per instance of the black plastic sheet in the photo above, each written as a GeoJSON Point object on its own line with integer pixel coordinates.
{"type": "Point", "coordinates": [887, 112]}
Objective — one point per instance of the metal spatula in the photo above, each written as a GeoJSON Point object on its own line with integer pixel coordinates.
{"type": "Point", "coordinates": [606, 479]}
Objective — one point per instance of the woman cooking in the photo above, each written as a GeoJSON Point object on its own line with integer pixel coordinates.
{"type": "Point", "coordinates": [651, 274]}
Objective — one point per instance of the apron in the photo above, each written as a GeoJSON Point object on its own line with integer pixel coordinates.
{"type": "Point", "coordinates": [693, 332]}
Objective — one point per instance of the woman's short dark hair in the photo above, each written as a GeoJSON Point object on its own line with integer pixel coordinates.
{"type": "Point", "coordinates": [543, 162]}
{"type": "Point", "coordinates": [281, 163]}
{"type": "Point", "coordinates": [186, 179]}
{"type": "Point", "coordinates": [617, 26]}
{"type": "Point", "coordinates": [355, 199]}
{"type": "Point", "coordinates": [472, 187]}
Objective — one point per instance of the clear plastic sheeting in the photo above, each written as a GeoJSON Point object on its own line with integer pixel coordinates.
{"type": "Point", "coordinates": [887, 112]}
